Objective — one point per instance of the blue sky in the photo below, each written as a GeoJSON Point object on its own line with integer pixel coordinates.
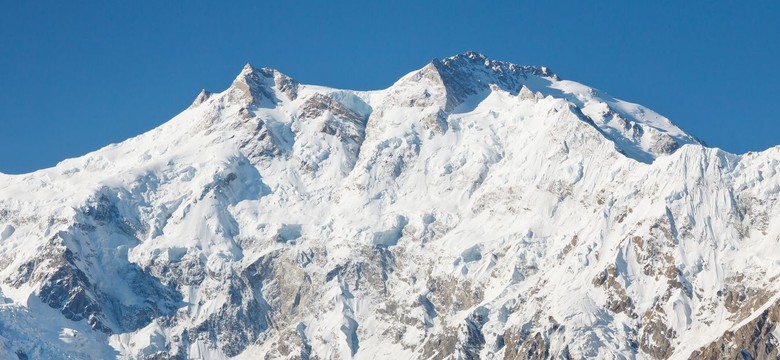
{"type": "Point", "coordinates": [78, 75]}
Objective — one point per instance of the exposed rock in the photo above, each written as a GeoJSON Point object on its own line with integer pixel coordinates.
{"type": "Point", "coordinates": [655, 338]}
{"type": "Point", "coordinates": [756, 339]}
{"type": "Point", "coordinates": [201, 98]}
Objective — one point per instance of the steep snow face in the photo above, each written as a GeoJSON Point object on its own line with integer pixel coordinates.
{"type": "Point", "coordinates": [474, 209]}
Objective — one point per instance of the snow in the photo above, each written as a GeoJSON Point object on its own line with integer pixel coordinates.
{"type": "Point", "coordinates": [469, 193]}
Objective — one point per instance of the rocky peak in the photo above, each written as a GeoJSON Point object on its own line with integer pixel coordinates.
{"type": "Point", "coordinates": [470, 73]}
{"type": "Point", "coordinates": [201, 98]}
{"type": "Point", "coordinates": [479, 61]}
{"type": "Point", "coordinates": [526, 94]}
{"type": "Point", "coordinates": [256, 84]}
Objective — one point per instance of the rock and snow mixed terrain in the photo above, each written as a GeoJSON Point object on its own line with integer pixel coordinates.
{"type": "Point", "coordinates": [474, 209]}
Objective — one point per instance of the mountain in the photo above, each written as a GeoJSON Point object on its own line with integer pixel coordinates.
{"type": "Point", "coordinates": [473, 209]}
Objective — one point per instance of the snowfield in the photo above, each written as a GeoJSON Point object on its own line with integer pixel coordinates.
{"type": "Point", "coordinates": [473, 209]}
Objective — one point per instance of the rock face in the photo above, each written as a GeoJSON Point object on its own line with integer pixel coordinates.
{"type": "Point", "coordinates": [475, 209]}
{"type": "Point", "coordinates": [754, 339]}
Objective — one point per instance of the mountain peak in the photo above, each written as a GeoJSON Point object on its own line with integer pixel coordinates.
{"type": "Point", "coordinates": [471, 61]}
{"type": "Point", "coordinates": [459, 83]}
{"type": "Point", "coordinates": [471, 56]}
{"type": "Point", "coordinates": [255, 84]}
{"type": "Point", "coordinates": [470, 73]}
{"type": "Point", "coordinates": [203, 95]}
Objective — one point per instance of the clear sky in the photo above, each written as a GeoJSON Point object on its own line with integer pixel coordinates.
{"type": "Point", "coordinates": [78, 75]}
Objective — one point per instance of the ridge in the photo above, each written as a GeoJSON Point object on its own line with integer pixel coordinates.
{"type": "Point", "coordinates": [470, 73]}
{"type": "Point", "coordinates": [478, 61]}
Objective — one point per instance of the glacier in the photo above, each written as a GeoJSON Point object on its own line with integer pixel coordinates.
{"type": "Point", "coordinates": [475, 209]}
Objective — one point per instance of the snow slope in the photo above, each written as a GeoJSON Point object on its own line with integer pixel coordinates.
{"type": "Point", "coordinates": [473, 209]}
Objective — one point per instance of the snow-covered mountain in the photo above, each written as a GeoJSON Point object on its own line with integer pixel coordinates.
{"type": "Point", "coordinates": [473, 209]}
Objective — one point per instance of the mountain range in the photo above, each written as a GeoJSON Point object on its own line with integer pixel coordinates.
{"type": "Point", "coordinates": [475, 209]}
